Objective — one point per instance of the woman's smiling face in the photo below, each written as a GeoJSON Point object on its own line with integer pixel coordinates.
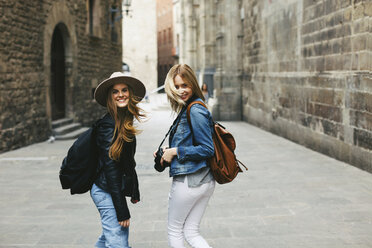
{"type": "Point", "coordinates": [120, 95]}
{"type": "Point", "coordinates": [183, 89]}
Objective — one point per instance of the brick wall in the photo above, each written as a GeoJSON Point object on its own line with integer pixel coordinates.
{"type": "Point", "coordinates": [307, 74]}
{"type": "Point", "coordinates": [26, 30]}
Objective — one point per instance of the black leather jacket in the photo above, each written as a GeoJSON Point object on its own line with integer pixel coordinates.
{"type": "Point", "coordinates": [111, 172]}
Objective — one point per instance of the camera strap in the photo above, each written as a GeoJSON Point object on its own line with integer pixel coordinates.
{"type": "Point", "coordinates": [175, 122]}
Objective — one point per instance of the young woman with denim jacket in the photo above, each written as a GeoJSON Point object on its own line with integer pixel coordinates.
{"type": "Point", "coordinates": [189, 149]}
{"type": "Point", "coordinates": [116, 143]}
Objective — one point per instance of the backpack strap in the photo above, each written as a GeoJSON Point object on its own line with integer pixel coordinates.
{"type": "Point", "coordinates": [239, 162]}
{"type": "Point", "coordinates": [189, 118]}
{"type": "Point", "coordinates": [189, 109]}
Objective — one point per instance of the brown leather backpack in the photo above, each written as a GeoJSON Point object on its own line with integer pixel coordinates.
{"type": "Point", "coordinates": [224, 164]}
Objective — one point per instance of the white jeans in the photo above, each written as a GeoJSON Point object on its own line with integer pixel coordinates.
{"type": "Point", "coordinates": [185, 211]}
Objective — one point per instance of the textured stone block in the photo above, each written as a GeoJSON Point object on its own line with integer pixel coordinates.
{"type": "Point", "coordinates": [355, 61]}
{"type": "Point", "coordinates": [361, 101]}
{"type": "Point", "coordinates": [368, 8]}
{"type": "Point", "coordinates": [347, 14]}
{"type": "Point", "coordinates": [330, 63]}
{"type": "Point", "coordinates": [347, 60]}
{"type": "Point", "coordinates": [365, 61]}
{"type": "Point", "coordinates": [358, 11]}
{"type": "Point", "coordinates": [359, 42]}
{"type": "Point", "coordinates": [336, 45]}
{"type": "Point", "coordinates": [346, 45]}
{"type": "Point", "coordinates": [325, 111]}
{"type": "Point", "coordinates": [366, 82]}
{"type": "Point", "coordinates": [345, 3]}
{"type": "Point", "coordinates": [330, 6]}
{"type": "Point", "coordinates": [326, 96]}
{"type": "Point", "coordinates": [363, 138]}
{"type": "Point", "coordinates": [332, 129]}
{"type": "Point", "coordinates": [361, 26]}
{"type": "Point", "coordinates": [361, 119]}
{"type": "Point", "coordinates": [307, 3]}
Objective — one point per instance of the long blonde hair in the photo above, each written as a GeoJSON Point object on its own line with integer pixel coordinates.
{"type": "Point", "coordinates": [189, 77]}
{"type": "Point", "coordinates": [124, 117]}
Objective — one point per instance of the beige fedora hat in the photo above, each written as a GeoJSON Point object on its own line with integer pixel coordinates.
{"type": "Point", "coordinates": [100, 94]}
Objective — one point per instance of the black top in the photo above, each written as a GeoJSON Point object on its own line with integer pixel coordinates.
{"type": "Point", "coordinates": [111, 176]}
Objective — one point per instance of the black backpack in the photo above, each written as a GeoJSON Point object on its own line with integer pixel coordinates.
{"type": "Point", "coordinates": [79, 168]}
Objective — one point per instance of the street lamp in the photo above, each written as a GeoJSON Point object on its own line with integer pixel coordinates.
{"type": "Point", "coordinates": [113, 10]}
{"type": "Point", "coordinates": [127, 4]}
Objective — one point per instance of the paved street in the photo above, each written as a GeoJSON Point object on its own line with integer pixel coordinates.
{"type": "Point", "coordinates": [290, 197]}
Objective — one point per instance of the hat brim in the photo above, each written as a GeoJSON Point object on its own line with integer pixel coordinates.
{"type": "Point", "coordinates": [100, 94]}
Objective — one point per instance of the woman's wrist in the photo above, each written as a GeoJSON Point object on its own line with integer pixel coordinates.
{"type": "Point", "coordinates": [175, 151]}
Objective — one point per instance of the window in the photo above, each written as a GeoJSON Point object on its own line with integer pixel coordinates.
{"type": "Point", "coordinates": [114, 35]}
{"type": "Point", "coordinates": [90, 17]}
{"type": "Point", "coordinates": [94, 14]}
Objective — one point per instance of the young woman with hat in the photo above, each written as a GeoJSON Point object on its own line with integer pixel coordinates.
{"type": "Point", "coordinates": [189, 149]}
{"type": "Point", "coordinates": [116, 143]}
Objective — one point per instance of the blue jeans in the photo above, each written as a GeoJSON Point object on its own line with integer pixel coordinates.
{"type": "Point", "coordinates": [113, 235]}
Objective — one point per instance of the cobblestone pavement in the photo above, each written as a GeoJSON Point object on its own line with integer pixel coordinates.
{"type": "Point", "coordinates": [290, 197]}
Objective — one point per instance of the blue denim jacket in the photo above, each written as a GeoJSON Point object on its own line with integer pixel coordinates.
{"type": "Point", "coordinates": [192, 154]}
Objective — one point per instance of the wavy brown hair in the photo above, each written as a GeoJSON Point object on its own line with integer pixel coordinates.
{"type": "Point", "coordinates": [189, 77]}
{"type": "Point", "coordinates": [124, 117]}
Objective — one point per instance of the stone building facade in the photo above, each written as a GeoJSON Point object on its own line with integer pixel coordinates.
{"type": "Point", "coordinates": [166, 51]}
{"type": "Point", "coordinates": [53, 55]}
{"type": "Point", "coordinates": [140, 42]}
{"type": "Point", "coordinates": [300, 69]}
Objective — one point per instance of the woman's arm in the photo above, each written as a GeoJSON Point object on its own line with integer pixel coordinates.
{"type": "Point", "coordinates": [202, 147]}
{"type": "Point", "coordinates": [130, 168]}
{"type": "Point", "coordinates": [111, 171]}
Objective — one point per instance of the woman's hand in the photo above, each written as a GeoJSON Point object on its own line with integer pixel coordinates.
{"type": "Point", "coordinates": [124, 223]}
{"type": "Point", "coordinates": [169, 154]}
{"type": "Point", "coordinates": [163, 148]}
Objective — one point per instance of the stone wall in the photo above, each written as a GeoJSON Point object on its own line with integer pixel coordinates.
{"type": "Point", "coordinates": [227, 82]}
{"type": "Point", "coordinates": [307, 74]}
{"type": "Point", "coordinates": [26, 29]}
{"type": "Point", "coordinates": [300, 69]}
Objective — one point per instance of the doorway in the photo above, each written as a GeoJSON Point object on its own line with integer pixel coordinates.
{"type": "Point", "coordinates": [57, 90]}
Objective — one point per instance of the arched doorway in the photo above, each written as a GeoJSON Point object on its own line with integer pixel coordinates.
{"type": "Point", "coordinates": [58, 81]}
{"type": "Point", "coordinates": [60, 49]}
